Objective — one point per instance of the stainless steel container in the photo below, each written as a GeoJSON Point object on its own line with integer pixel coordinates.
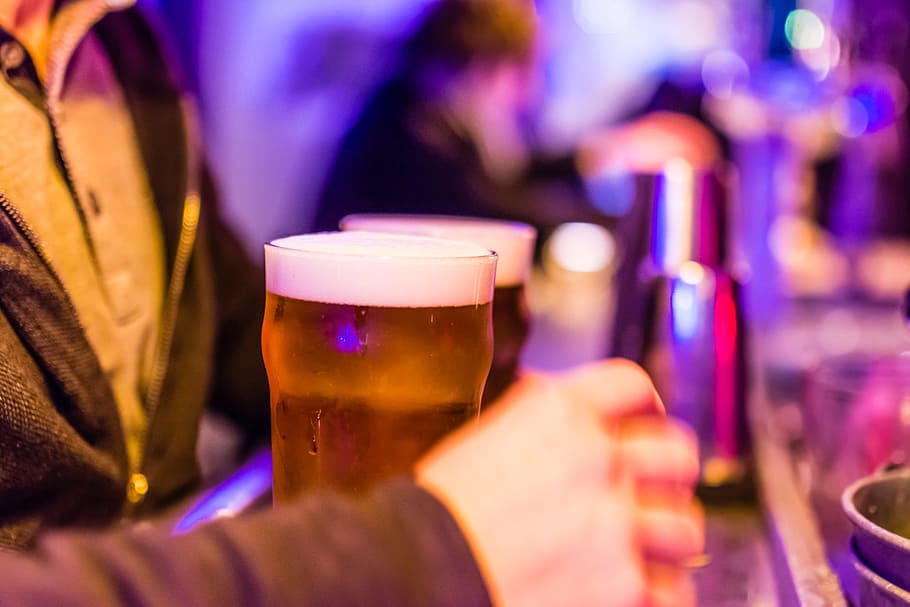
{"type": "Point", "coordinates": [679, 314]}
{"type": "Point", "coordinates": [878, 506]}
{"type": "Point", "coordinates": [876, 591]}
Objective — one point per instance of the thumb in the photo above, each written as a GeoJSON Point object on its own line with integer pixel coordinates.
{"type": "Point", "coordinates": [615, 389]}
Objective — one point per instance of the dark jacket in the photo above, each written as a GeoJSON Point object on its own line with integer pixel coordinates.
{"type": "Point", "coordinates": [62, 460]}
{"type": "Point", "coordinates": [400, 548]}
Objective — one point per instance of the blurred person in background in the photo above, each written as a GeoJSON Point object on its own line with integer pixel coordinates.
{"type": "Point", "coordinates": [126, 308]}
{"type": "Point", "coordinates": [446, 134]}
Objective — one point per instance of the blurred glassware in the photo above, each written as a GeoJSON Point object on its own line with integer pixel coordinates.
{"type": "Point", "coordinates": [779, 123]}
{"type": "Point", "coordinates": [874, 589]}
{"type": "Point", "coordinates": [820, 143]}
{"type": "Point", "coordinates": [857, 420]}
{"type": "Point", "coordinates": [513, 243]}
{"type": "Point", "coordinates": [376, 346]}
{"type": "Point", "coordinates": [571, 297]}
{"type": "Point", "coordinates": [877, 507]}
{"type": "Point", "coordinates": [697, 361]}
{"type": "Point", "coordinates": [863, 404]}
{"type": "Point", "coordinates": [679, 314]}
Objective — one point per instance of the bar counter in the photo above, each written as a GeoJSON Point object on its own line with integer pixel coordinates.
{"type": "Point", "coordinates": [766, 548]}
{"type": "Point", "coordinates": [768, 551]}
{"type": "Point", "coordinates": [741, 571]}
{"type": "Point", "coordinates": [784, 548]}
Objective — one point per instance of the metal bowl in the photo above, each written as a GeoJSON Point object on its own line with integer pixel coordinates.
{"type": "Point", "coordinates": [878, 506]}
{"type": "Point", "coordinates": [874, 590]}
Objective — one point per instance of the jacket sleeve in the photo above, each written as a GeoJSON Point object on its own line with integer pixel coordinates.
{"type": "Point", "coordinates": [399, 547]}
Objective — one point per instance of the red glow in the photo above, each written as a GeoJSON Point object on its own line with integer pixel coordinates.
{"type": "Point", "coordinates": [726, 331]}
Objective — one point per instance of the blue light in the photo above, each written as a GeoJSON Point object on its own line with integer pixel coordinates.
{"type": "Point", "coordinates": [880, 106]}
{"type": "Point", "coordinates": [612, 192]}
{"type": "Point", "coordinates": [850, 117]}
{"type": "Point", "coordinates": [684, 310]}
{"type": "Point", "coordinates": [244, 488]}
{"type": "Point", "coordinates": [348, 340]}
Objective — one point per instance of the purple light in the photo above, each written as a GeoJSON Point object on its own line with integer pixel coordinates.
{"type": "Point", "coordinates": [879, 105]}
{"type": "Point", "coordinates": [348, 340]}
{"type": "Point", "coordinates": [244, 488]}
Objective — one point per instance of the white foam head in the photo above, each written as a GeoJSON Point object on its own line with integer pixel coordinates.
{"type": "Point", "coordinates": [380, 269]}
{"type": "Point", "coordinates": [513, 241]}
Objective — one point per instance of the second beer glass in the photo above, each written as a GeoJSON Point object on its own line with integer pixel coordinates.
{"type": "Point", "coordinates": [376, 346]}
{"type": "Point", "coordinates": [514, 244]}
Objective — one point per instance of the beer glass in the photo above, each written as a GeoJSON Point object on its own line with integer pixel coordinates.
{"type": "Point", "coordinates": [376, 345]}
{"type": "Point", "coordinates": [513, 242]}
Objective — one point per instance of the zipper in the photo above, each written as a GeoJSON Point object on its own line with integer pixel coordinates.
{"type": "Point", "coordinates": [185, 243]}
{"type": "Point", "coordinates": [32, 239]}
{"type": "Point", "coordinates": [188, 229]}
{"type": "Point", "coordinates": [192, 205]}
{"type": "Point", "coordinates": [137, 485]}
{"type": "Point", "coordinates": [29, 234]}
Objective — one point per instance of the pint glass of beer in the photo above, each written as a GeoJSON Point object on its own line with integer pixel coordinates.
{"type": "Point", "coordinates": [513, 242]}
{"type": "Point", "coordinates": [376, 345]}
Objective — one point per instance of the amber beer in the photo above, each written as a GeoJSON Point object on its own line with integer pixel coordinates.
{"type": "Point", "coordinates": [514, 244]}
{"type": "Point", "coordinates": [376, 346]}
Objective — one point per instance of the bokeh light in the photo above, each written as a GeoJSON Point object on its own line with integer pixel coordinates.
{"type": "Point", "coordinates": [849, 117]}
{"type": "Point", "coordinates": [691, 272]}
{"type": "Point", "coordinates": [582, 247]}
{"type": "Point", "coordinates": [602, 17]}
{"type": "Point", "coordinates": [723, 72]}
{"type": "Point", "coordinates": [804, 30]}
{"type": "Point", "coordinates": [790, 240]}
{"type": "Point", "coordinates": [824, 58]}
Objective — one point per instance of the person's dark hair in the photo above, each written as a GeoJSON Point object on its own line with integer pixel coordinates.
{"type": "Point", "coordinates": [454, 34]}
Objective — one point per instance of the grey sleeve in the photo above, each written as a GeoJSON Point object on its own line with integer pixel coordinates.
{"type": "Point", "coordinates": [398, 547]}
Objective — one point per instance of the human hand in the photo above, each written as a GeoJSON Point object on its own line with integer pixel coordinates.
{"type": "Point", "coordinates": [576, 490]}
{"type": "Point", "coordinates": [646, 145]}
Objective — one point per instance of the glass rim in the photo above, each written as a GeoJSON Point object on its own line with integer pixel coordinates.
{"type": "Point", "coordinates": [455, 223]}
{"type": "Point", "coordinates": [838, 371]}
{"type": "Point", "coordinates": [480, 253]}
{"type": "Point", "coordinates": [513, 241]}
{"type": "Point", "coordinates": [352, 268]}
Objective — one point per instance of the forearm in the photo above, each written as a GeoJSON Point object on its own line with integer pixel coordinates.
{"type": "Point", "coordinates": [400, 547]}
